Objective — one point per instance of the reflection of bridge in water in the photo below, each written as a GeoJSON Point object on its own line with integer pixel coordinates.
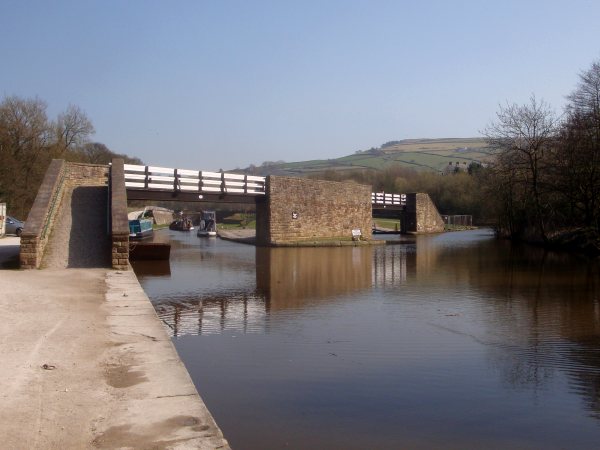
{"type": "Point", "coordinates": [238, 312]}
{"type": "Point", "coordinates": [290, 279]}
{"type": "Point", "coordinates": [392, 266]}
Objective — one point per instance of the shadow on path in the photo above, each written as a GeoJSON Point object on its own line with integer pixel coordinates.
{"type": "Point", "coordinates": [89, 243]}
{"type": "Point", "coordinates": [9, 253]}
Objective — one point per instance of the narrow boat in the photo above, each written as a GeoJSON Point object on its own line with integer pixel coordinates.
{"type": "Point", "coordinates": [181, 225]}
{"type": "Point", "coordinates": [140, 228]}
{"type": "Point", "coordinates": [208, 224]}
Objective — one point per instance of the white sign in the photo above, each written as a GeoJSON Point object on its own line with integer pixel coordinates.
{"type": "Point", "coordinates": [356, 234]}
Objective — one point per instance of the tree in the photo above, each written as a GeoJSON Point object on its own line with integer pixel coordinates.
{"type": "Point", "coordinates": [73, 129]}
{"type": "Point", "coordinates": [25, 134]}
{"type": "Point", "coordinates": [578, 158]}
{"type": "Point", "coordinates": [585, 99]}
{"type": "Point", "coordinates": [98, 153]}
{"type": "Point", "coordinates": [29, 141]}
{"type": "Point", "coordinates": [523, 136]}
{"type": "Point", "coordinates": [473, 168]}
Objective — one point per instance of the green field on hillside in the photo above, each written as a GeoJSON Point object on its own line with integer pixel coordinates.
{"type": "Point", "coordinates": [420, 154]}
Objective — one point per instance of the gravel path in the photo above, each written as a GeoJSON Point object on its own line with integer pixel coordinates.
{"type": "Point", "coordinates": [79, 237]}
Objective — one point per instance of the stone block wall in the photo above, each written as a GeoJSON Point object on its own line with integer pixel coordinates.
{"type": "Point", "coordinates": [59, 177]}
{"type": "Point", "coordinates": [42, 214]}
{"type": "Point", "coordinates": [162, 217]}
{"type": "Point", "coordinates": [79, 174]}
{"type": "Point", "coordinates": [300, 209]}
{"type": "Point", "coordinates": [119, 224]}
{"type": "Point", "coordinates": [421, 215]}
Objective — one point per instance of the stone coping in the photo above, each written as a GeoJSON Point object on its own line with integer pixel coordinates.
{"type": "Point", "coordinates": [38, 215]}
{"type": "Point", "coordinates": [328, 243]}
{"type": "Point", "coordinates": [249, 237]}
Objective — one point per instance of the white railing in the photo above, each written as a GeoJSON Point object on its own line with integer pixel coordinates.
{"type": "Point", "coordinates": [382, 198]}
{"type": "Point", "coordinates": [166, 179]}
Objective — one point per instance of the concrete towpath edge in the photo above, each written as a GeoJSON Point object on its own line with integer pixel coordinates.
{"type": "Point", "coordinates": [161, 405]}
{"type": "Point", "coordinates": [87, 363]}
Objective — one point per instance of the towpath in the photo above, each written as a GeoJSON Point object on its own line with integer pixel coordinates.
{"type": "Point", "coordinates": [87, 364]}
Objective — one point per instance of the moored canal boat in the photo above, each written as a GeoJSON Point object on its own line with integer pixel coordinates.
{"type": "Point", "coordinates": [140, 228]}
{"type": "Point", "coordinates": [181, 225]}
{"type": "Point", "coordinates": [208, 224]}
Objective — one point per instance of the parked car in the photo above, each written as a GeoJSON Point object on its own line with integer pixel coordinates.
{"type": "Point", "coordinates": [13, 226]}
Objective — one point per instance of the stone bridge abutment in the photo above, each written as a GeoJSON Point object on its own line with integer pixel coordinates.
{"type": "Point", "coordinates": [421, 215]}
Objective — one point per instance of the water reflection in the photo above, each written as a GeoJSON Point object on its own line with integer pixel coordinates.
{"type": "Point", "coordinates": [154, 268]}
{"type": "Point", "coordinates": [488, 344]}
{"type": "Point", "coordinates": [539, 311]}
{"type": "Point", "coordinates": [285, 279]}
{"type": "Point", "coordinates": [546, 307]}
{"type": "Point", "coordinates": [392, 267]}
{"type": "Point", "coordinates": [241, 313]}
{"type": "Point", "coordinates": [295, 277]}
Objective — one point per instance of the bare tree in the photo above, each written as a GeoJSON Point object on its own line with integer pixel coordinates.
{"type": "Point", "coordinates": [96, 153]}
{"type": "Point", "coordinates": [586, 97]}
{"type": "Point", "coordinates": [24, 138]}
{"type": "Point", "coordinates": [579, 156]}
{"type": "Point", "coordinates": [522, 136]}
{"type": "Point", "coordinates": [29, 140]}
{"type": "Point", "coordinates": [24, 126]}
{"type": "Point", "coordinates": [73, 129]}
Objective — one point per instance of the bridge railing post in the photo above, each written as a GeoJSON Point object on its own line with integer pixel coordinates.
{"type": "Point", "coordinates": [176, 182]}
{"type": "Point", "coordinates": [146, 176]}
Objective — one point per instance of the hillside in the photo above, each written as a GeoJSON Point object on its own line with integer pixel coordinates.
{"type": "Point", "coordinates": [419, 154]}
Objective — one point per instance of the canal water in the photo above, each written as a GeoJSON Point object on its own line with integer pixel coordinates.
{"type": "Point", "coordinates": [449, 341]}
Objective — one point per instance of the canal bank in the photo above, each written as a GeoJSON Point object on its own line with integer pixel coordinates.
{"type": "Point", "coordinates": [248, 236]}
{"type": "Point", "coordinates": [88, 364]}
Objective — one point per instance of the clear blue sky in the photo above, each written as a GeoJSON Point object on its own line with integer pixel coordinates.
{"type": "Point", "coordinates": [223, 84]}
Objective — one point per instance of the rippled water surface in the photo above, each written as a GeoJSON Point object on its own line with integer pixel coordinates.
{"type": "Point", "coordinates": [447, 341]}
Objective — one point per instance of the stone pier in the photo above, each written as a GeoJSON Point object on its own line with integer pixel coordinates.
{"type": "Point", "coordinates": [421, 215]}
{"type": "Point", "coordinates": [300, 210]}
